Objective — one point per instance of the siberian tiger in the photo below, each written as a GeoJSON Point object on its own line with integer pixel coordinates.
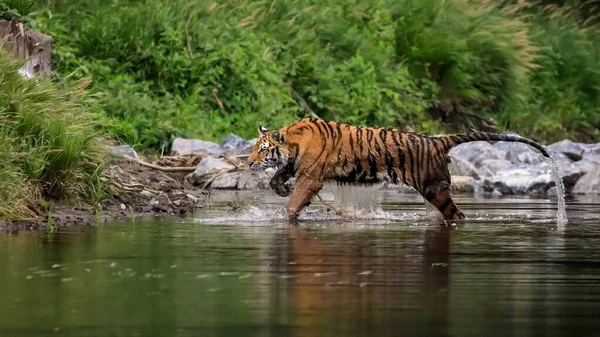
{"type": "Point", "coordinates": [316, 150]}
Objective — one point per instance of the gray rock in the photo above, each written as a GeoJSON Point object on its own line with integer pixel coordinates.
{"type": "Point", "coordinates": [560, 158]}
{"type": "Point", "coordinates": [475, 152]}
{"type": "Point", "coordinates": [592, 153]}
{"type": "Point", "coordinates": [236, 145]}
{"type": "Point", "coordinates": [570, 149]}
{"type": "Point", "coordinates": [528, 157]}
{"type": "Point", "coordinates": [552, 191]}
{"type": "Point", "coordinates": [589, 183]}
{"type": "Point", "coordinates": [253, 141]}
{"type": "Point", "coordinates": [489, 167]}
{"type": "Point", "coordinates": [121, 150]}
{"type": "Point", "coordinates": [462, 184]}
{"type": "Point", "coordinates": [512, 150]}
{"type": "Point", "coordinates": [520, 179]}
{"type": "Point", "coordinates": [207, 166]}
{"type": "Point", "coordinates": [226, 181]}
{"type": "Point", "coordinates": [184, 147]}
{"type": "Point", "coordinates": [249, 181]}
{"type": "Point", "coordinates": [461, 167]}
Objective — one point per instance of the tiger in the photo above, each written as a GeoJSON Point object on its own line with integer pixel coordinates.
{"type": "Point", "coordinates": [317, 150]}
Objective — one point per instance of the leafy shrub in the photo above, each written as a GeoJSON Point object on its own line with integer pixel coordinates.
{"type": "Point", "coordinates": [204, 69]}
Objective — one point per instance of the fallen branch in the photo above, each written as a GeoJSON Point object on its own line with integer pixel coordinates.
{"type": "Point", "coordinates": [160, 168]}
{"type": "Point", "coordinates": [302, 102]}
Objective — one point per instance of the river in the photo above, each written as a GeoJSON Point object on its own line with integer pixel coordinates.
{"type": "Point", "coordinates": [233, 269]}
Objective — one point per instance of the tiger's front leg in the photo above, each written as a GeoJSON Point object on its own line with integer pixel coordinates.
{"type": "Point", "coordinates": [306, 188]}
{"type": "Point", "coordinates": [277, 183]}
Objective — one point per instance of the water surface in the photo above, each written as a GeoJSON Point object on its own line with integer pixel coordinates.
{"type": "Point", "coordinates": [231, 270]}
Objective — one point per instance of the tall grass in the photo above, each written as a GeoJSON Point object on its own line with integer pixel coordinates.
{"type": "Point", "coordinates": [50, 148]}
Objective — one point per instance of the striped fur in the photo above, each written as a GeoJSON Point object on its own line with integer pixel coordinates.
{"type": "Point", "coordinates": [316, 150]}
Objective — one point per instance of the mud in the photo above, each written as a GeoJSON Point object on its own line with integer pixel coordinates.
{"type": "Point", "coordinates": [135, 191]}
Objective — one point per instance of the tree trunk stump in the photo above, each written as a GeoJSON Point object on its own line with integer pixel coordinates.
{"type": "Point", "coordinates": [27, 44]}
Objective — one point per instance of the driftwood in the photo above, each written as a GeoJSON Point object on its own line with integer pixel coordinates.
{"type": "Point", "coordinates": [27, 44]}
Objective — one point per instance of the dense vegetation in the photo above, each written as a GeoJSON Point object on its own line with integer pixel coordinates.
{"type": "Point", "coordinates": [49, 143]}
{"type": "Point", "coordinates": [206, 68]}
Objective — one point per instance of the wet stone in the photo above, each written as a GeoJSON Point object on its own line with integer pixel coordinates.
{"type": "Point", "coordinates": [589, 183]}
{"type": "Point", "coordinates": [184, 147]}
{"type": "Point", "coordinates": [122, 150]}
{"type": "Point", "coordinates": [571, 149]}
{"type": "Point", "coordinates": [226, 181]}
{"type": "Point", "coordinates": [207, 166]}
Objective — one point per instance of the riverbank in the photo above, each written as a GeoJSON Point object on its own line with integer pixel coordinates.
{"type": "Point", "coordinates": [178, 184]}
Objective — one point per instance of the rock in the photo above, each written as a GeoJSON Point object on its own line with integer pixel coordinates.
{"type": "Point", "coordinates": [589, 183]}
{"type": "Point", "coordinates": [121, 150]}
{"type": "Point", "coordinates": [160, 203]}
{"type": "Point", "coordinates": [592, 153]}
{"type": "Point", "coordinates": [208, 165]}
{"type": "Point", "coordinates": [184, 147]}
{"type": "Point", "coordinates": [528, 157]}
{"type": "Point", "coordinates": [226, 181]}
{"type": "Point", "coordinates": [249, 181]}
{"type": "Point", "coordinates": [520, 179]}
{"type": "Point", "coordinates": [462, 184]}
{"type": "Point", "coordinates": [461, 167]}
{"type": "Point", "coordinates": [552, 191]}
{"type": "Point", "coordinates": [235, 145]}
{"type": "Point", "coordinates": [512, 150]}
{"type": "Point", "coordinates": [572, 150]}
{"type": "Point", "coordinates": [475, 152]}
{"type": "Point", "coordinates": [490, 167]}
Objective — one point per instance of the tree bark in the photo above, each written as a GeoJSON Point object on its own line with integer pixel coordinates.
{"type": "Point", "coordinates": [27, 44]}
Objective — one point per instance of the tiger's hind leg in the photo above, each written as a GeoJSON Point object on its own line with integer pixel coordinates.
{"type": "Point", "coordinates": [439, 195]}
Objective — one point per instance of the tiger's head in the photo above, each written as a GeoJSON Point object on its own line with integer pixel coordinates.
{"type": "Point", "coordinates": [270, 151]}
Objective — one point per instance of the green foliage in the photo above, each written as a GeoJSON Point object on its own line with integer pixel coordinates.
{"type": "Point", "coordinates": [49, 142]}
{"type": "Point", "coordinates": [204, 69]}
{"type": "Point", "coordinates": [17, 10]}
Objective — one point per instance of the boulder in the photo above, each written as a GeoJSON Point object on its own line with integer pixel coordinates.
{"type": "Point", "coordinates": [589, 183]}
{"type": "Point", "coordinates": [462, 184]}
{"type": "Point", "coordinates": [184, 147]}
{"type": "Point", "coordinates": [235, 145]}
{"type": "Point", "coordinates": [226, 181]}
{"type": "Point", "coordinates": [572, 150]}
{"type": "Point", "coordinates": [249, 181]}
{"type": "Point", "coordinates": [592, 153]}
{"type": "Point", "coordinates": [461, 167]}
{"type": "Point", "coordinates": [520, 179]}
{"type": "Point", "coordinates": [512, 150]}
{"type": "Point", "coordinates": [475, 152]}
{"type": "Point", "coordinates": [121, 150]}
{"type": "Point", "coordinates": [207, 166]}
{"type": "Point", "coordinates": [489, 167]}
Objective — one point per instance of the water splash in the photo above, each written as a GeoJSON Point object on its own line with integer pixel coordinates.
{"type": "Point", "coordinates": [561, 212]}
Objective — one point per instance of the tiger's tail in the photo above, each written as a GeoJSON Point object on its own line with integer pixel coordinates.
{"type": "Point", "coordinates": [451, 141]}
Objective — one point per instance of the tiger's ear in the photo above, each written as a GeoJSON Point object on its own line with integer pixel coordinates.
{"type": "Point", "coordinates": [262, 130]}
{"type": "Point", "coordinates": [275, 134]}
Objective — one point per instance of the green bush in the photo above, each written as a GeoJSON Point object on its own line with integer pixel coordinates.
{"type": "Point", "coordinates": [204, 69]}
{"type": "Point", "coordinates": [49, 139]}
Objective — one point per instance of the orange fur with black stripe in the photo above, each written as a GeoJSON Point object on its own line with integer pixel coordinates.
{"type": "Point", "coordinates": [316, 150]}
